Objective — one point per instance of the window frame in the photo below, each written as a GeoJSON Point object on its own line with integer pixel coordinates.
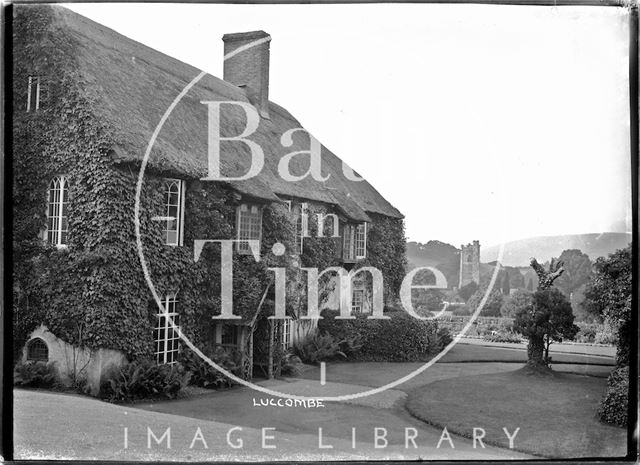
{"type": "Point", "coordinates": [350, 239]}
{"type": "Point", "coordinates": [179, 218]}
{"type": "Point", "coordinates": [301, 227]}
{"type": "Point", "coordinates": [54, 230]}
{"type": "Point", "coordinates": [235, 335]}
{"type": "Point", "coordinates": [357, 305]}
{"type": "Point", "coordinates": [286, 334]}
{"type": "Point", "coordinates": [166, 333]}
{"type": "Point", "coordinates": [41, 343]}
{"type": "Point", "coordinates": [242, 246]}
{"type": "Point", "coordinates": [361, 228]}
{"type": "Point", "coordinates": [34, 80]}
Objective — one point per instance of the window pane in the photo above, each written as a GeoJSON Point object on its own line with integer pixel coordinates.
{"type": "Point", "coordinates": [172, 210]}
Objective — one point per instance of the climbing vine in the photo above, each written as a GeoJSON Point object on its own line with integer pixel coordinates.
{"type": "Point", "coordinates": [97, 282]}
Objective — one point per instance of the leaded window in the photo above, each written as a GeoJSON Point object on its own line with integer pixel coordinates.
{"type": "Point", "coordinates": [249, 226]}
{"type": "Point", "coordinates": [165, 334]}
{"type": "Point", "coordinates": [57, 211]}
{"type": "Point", "coordinates": [37, 350]}
{"type": "Point", "coordinates": [174, 211]}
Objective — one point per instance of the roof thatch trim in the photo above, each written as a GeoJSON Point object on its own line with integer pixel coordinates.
{"type": "Point", "coordinates": [134, 86]}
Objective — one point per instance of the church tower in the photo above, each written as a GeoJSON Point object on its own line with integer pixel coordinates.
{"type": "Point", "coordinates": [469, 263]}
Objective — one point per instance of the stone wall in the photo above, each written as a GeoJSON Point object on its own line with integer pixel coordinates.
{"type": "Point", "coordinates": [72, 362]}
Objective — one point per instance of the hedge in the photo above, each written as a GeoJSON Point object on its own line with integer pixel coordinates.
{"type": "Point", "coordinates": [401, 338]}
{"type": "Point", "coordinates": [614, 405]}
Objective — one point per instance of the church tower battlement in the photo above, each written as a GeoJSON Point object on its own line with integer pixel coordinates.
{"type": "Point", "coordinates": [469, 263]}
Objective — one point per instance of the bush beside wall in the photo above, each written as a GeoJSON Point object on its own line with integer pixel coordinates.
{"type": "Point", "coordinates": [401, 338]}
{"type": "Point", "coordinates": [613, 408]}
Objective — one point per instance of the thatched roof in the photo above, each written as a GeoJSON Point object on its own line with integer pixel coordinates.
{"type": "Point", "coordinates": [134, 86]}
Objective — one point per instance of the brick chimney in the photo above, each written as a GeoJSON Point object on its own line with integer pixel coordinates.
{"type": "Point", "coordinates": [246, 65]}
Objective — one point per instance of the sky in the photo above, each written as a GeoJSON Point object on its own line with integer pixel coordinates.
{"type": "Point", "coordinates": [478, 122]}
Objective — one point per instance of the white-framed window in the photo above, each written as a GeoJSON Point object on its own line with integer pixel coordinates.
{"type": "Point", "coordinates": [357, 301]}
{"type": "Point", "coordinates": [361, 241]}
{"type": "Point", "coordinates": [354, 241]}
{"type": "Point", "coordinates": [301, 227]}
{"type": "Point", "coordinates": [249, 226]}
{"type": "Point", "coordinates": [167, 341]}
{"type": "Point", "coordinates": [174, 194]}
{"type": "Point", "coordinates": [286, 334]}
{"type": "Point", "coordinates": [57, 211]}
{"type": "Point", "coordinates": [37, 92]}
{"type": "Point", "coordinates": [229, 335]}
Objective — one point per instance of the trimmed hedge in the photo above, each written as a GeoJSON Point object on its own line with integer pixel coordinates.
{"type": "Point", "coordinates": [614, 405]}
{"type": "Point", "coordinates": [399, 339]}
{"type": "Point", "coordinates": [503, 336]}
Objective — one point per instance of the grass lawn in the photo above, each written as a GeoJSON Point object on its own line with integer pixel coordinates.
{"type": "Point", "coordinates": [462, 352]}
{"type": "Point", "coordinates": [556, 415]}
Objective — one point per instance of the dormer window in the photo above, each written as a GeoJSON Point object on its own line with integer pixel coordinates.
{"type": "Point", "coordinates": [37, 93]}
{"type": "Point", "coordinates": [57, 219]}
{"type": "Point", "coordinates": [249, 226]}
{"type": "Point", "coordinates": [174, 190]}
{"type": "Point", "coordinates": [354, 242]}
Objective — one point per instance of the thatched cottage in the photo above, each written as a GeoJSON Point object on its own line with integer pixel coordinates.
{"type": "Point", "coordinates": [86, 101]}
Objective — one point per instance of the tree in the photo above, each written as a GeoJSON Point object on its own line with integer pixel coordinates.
{"type": "Point", "coordinates": [519, 299]}
{"type": "Point", "coordinates": [427, 301]}
{"type": "Point", "coordinates": [506, 285]}
{"type": "Point", "coordinates": [491, 306]}
{"type": "Point", "coordinates": [577, 271]}
{"type": "Point", "coordinates": [468, 290]}
{"type": "Point", "coordinates": [547, 277]}
{"type": "Point", "coordinates": [608, 296]}
{"type": "Point", "coordinates": [547, 318]}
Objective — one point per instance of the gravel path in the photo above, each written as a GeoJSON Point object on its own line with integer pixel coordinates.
{"type": "Point", "coordinates": [58, 426]}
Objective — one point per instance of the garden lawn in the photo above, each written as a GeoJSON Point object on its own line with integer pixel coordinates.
{"type": "Point", "coordinates": [556, 415]}
{"type": "Point", "coordinates": [464, 352]}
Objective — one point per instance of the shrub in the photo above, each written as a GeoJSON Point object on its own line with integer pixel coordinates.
{"type": "Point", "coordinates": [503, 336]}
{"type": "Point", "coordinates": [398, 339]}
{"type": "Point", "coordinates": [459, 310]}
{"type": "Point", "coordinates": [34, 374]}
{"type": "Point", "coordinates": [587, 333]}
{"type": "Point", "coordinates": [144, 379]}
{"type": "Point", "coordinates": [203, 374]}
{"type": "Point", "coordinates": [606, 336]}
{"type": "Point", "coordinates": [614, 405]}
{"type": "Point", "coordinates": [444, 338]}
{"type": "Point", "coordinates": [289, 365]}
{"type": "Point", "coordinates": [317, 347]}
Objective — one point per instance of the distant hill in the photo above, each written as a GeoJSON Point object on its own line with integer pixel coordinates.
{"type": "Point", "coordinates": [543, 248]}
{"type": "Point", "coordinates": [430, 254]}
{"type": "Point", "coordinates": [440, 255]}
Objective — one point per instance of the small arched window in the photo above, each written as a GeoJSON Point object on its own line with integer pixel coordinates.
{"type": "Point", "coordinates": [37, 350]}
{"type": "Point", "coordinates": [57, 220]}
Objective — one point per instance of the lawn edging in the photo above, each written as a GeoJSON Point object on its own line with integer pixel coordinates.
{"type": "Point", "coordinates": [555, 415]}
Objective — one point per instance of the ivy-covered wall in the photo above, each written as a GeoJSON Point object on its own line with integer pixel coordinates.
{"type": "Point", "coordinates": [93, 293]}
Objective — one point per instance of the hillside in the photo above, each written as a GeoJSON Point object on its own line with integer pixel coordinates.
{"type": "Point", "coordinates": [440, 255]}
{"type": "Point", "coordinates": [430, 254]}
{"type": "Point", "coordinates": [543, 248]}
